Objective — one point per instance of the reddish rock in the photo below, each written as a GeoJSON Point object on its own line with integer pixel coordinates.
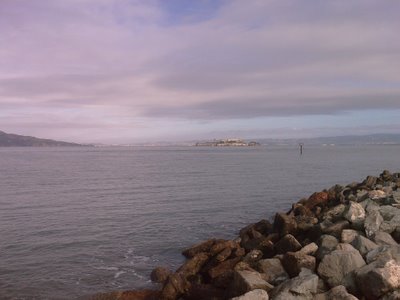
{"type": "Point", "coordinates": [224, 254]}
{"type": "Point", "coordinates": [315, 199]}
{"type": "Point", "coordinates": [160, 275]}
{"type": "Point", "coordinates": [222, 245]}
{"type": "Point", "coordinates": [223, 267]}
{"type": "Point", "coordinates": [176, 286]}
{"type": "Point", "coordinates": [300, 210]}
{"type": "Point", "coordinates": [193, 265]}
{"type": "Point", "coordinates": [128, 295]}
{"type": "Point", "coordinates": [198, 248]}
{"type": "Point", "coordinates": [239, 252]}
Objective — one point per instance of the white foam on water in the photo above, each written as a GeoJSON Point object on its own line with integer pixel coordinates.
{"type": "Point", "coordinates": [119, 273]}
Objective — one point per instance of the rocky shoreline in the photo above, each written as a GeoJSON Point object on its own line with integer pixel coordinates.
{"type": "Point", "coordinates": [340, 243]}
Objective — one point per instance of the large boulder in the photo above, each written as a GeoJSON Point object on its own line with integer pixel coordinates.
{"type": "Point", "coordinates": [337, 267]}
{"type": "Point", "coordinates": [302, 287]}
{"type": "Point", "coordinates": [337, 293]}
{"type": "Point", "coordinates": [316, 199]}
{"type": "Point", "coordinates": [334, 213]}
{"type": "Point", "coordinates": [384, 253]}
{"type": "Point", "coordinates": [287, 243]}
{"type": "Point", "coordinates": [272, 270]}
{"type": "Point", "coordinates": [378, 278]}
{"type": "Point", "coordinates": [384, 238]}
{"type": "Point", "coordinates": [355, 214]}
{"type": "Point", "coordinates": [193, 265]}
{"type": "Point", "coordinates": [257, 294]}
{"type": "Point", "coordinates": [284, 224]}
{"type": "Point", "coordinates": [388, 212]}
{"type": "Point", "coordinates": [363, 245]}
{"type": "Point", "coordinates": [372, 223]}
{"type": "Point", "coordinates": [293, 262]}
{"type": "Point", "coordinates": [222, 268]}
{"type": "Point", "coordinates": [175, 286]}
{"type": "Point", "coordinates": [246, 281]}
{"type": "Point", "coordinates": [336, 229]}
{"type": "Point", "coordinates": [326, 244]}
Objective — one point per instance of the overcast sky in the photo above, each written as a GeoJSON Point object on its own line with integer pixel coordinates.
{"type": "Point", "coordinates": [123, 71]}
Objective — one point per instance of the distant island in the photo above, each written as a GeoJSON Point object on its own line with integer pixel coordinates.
{"type": "Point", "coordinates": [15, 140]}
{"type": "Point", "coordinates": [227, 143]}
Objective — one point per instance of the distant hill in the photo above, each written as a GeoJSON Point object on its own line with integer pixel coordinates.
{"type": "Point", "coordinates": [15, 140]}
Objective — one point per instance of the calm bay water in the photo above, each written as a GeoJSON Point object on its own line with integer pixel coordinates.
{"type": "Point", "coordinates": [77, 221]}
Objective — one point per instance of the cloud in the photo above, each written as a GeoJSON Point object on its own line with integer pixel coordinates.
{"type": "Point", "coordinates": [146, 60]}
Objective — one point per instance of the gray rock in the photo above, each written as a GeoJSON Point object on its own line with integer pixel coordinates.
{"type": "Point", "coordinates": [387, 226]}
{"type": "Point", "coordinates": [384, 253]}
{"type": "Point", "coordinates": [383, 238]}
{"type": "Point", "coordinates": [355, 213]}
{"type": "Point", "coordinates": [336, 268]}
{"type": "Point", "coordinates": [336, 228]}
{"type": "Point", "coordinates": [362, 195]}
{"type": "Point", "coordinates": [395, 221]}
{"type": "Point", "coordinates": [246, 281]}
{"type": "Point", "coordinates": [396, 196]}
{"type": "Point", "coordinates": [372, 223]}
{"type": "Point", "coordinates": [363, 245]}
{"type": "Point", "coordinates": [378, 278]}
{"type": "Point", "coordinates": [345, 247]}
{"type": "Point", "coordinates": [370, 205]}
{"type": "Point", "coordinates": [337, 293]}
{"type": "Point", "coordinates": [273, 270]}
{"type": "Point", "coordinates": [327, 243]}
{"type": "Point", "coordinates": [334, 213]}
{"type": "Point", "coordinates": [348, 235]}
{"type": "Point", "coordinates": [388, 212]}
{"type": "Point", "coordinates": [302, 287]}
{"type": "Point", "coordinates": [257, 294]}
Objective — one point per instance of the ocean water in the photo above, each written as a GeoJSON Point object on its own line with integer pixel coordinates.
{"type": "Point", "coordinates": [77, 221]}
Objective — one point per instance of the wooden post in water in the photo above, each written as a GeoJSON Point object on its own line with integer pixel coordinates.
{"type": "Point", "coordinates": [301, 148]}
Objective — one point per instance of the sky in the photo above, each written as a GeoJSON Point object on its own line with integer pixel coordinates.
{"type": "Point", "coordinates": [126, 71]}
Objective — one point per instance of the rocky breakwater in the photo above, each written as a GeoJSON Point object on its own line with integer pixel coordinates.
{"type": "Point", "coordinates": [340, 243]}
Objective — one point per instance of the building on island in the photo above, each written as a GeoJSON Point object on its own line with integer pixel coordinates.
{"type": "Point", "coordinates": [227, 143]}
